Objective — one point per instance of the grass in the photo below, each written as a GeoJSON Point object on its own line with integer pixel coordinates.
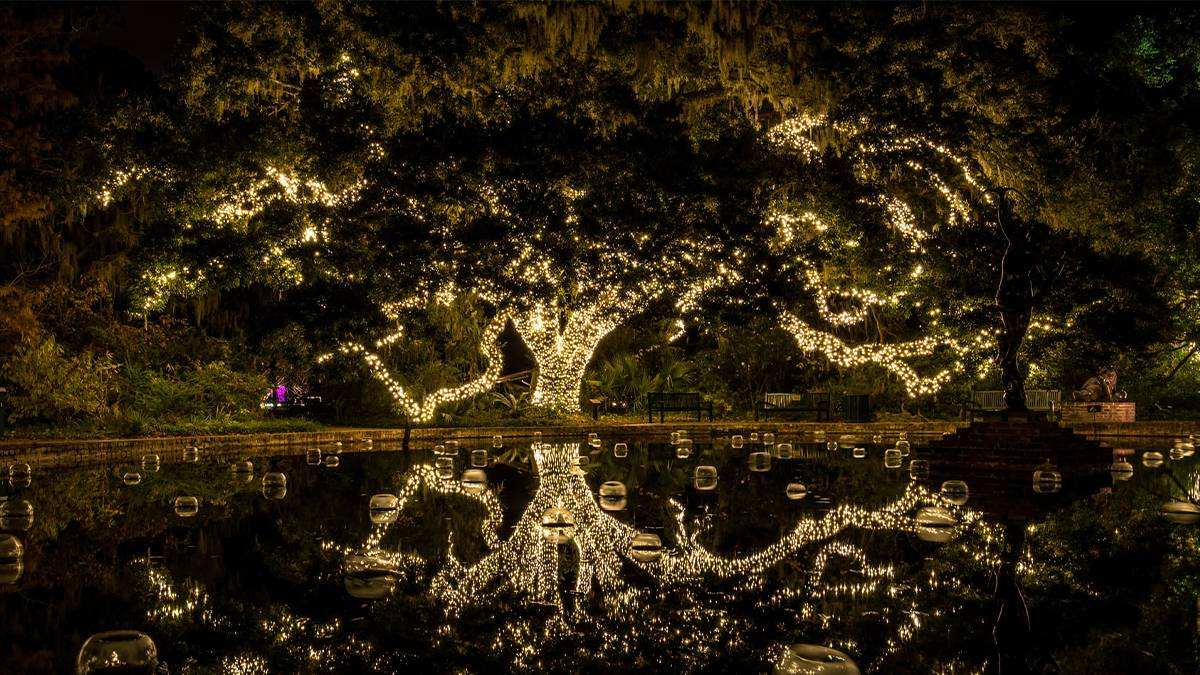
{"type": "Point", "coordinates": [197, 427]}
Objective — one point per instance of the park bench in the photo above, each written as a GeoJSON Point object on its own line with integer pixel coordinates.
{"type": "Point", "coordinates": [1038, 400]}
{"type": "Point", "coordinates": [776, 404]}
{"type": "Point", "coordinates": [676, 402]}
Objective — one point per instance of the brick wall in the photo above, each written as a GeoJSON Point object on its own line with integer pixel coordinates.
{"type": "Point", "coordinates": [1124, 411]}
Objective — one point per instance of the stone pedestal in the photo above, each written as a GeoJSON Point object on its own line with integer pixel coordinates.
{"type": "Point", "coordinates": [1076, 412]}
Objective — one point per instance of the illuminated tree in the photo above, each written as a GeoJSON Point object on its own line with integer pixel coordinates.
{"type": "Point", "coordinates": [854, 226]}
{"type": "Point", "coordinates": [474, 146]}
{"type": "Point", "coordinates": [425, 363]}
{"type": "Point", "coordinates": [1033, 99]}
{"type": "Point", "coordinates": [581, 271]}
{"type": "Point", "coordinates": [1029, 102]}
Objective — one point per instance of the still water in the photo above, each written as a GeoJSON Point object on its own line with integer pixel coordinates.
{"type": "Point", "coordinates": [599, 554]}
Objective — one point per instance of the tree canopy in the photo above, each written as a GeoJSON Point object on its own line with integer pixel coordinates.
{"type": "Point", "coordinates": [833, 168]}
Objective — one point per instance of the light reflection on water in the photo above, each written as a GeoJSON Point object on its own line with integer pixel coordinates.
{"type": "Point", "coordinates": [507, 558]}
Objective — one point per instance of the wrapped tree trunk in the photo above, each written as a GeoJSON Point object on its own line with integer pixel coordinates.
{"type": "Point", "coordinates": [563, 344]}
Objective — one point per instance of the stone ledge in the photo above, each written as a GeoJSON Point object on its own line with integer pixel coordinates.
{"type": "Point", "coordinates": [1079, 411]}
{"type": "Point", "coordinates": [79, 452]}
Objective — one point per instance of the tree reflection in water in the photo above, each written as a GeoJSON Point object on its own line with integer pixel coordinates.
{"type": "Point", "coordinates": [609, 596]}
{"type": "Point", "coordinates": [465, 579]}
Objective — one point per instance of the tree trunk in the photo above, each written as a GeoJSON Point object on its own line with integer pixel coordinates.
{"type": "Point", "coordinates": [560, 380]}
{"type": "Point", "coordinates": [563, 347]}
{"type": "Point", "coordinates": [1014, 298]}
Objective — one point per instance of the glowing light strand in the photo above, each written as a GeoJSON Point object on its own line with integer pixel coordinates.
{"type": "Point", "coordinates": [888, 356]}
{"type": "Point", "coordinates": [423, 409]}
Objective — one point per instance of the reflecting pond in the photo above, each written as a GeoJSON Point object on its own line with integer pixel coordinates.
{"type": "Point", "coordinates": [593, 553]}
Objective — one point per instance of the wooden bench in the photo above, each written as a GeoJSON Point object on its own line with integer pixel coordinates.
{"type": "Point", "coordinates": [1038, 400]}
{"type": "Point", "coordinates": [676, 402]}
{"type": "Point", "coordinates": [776, 404]}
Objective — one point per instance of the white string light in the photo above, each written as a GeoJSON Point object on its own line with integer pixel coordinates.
{"type": "Point", "coordinates": [888, 356]}
{"type": "Point", "coordinates": [796, 135]}
{"type": "Point", "coordinates": [422, 409]}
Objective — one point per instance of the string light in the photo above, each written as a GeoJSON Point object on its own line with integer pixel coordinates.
{"type": "Point", "coordinates": [564, 333]}
{"type": "Point", "coordinates": [788, 225]}
{"type": "Point", "coordinates": [235, 211]}
{"type": "Point", "coordinates": [864, 298]}
{"type": "Point", "coordinates": [423, 409]}
{"type": "Point", "coordinates": [528, 562]}
{"type": "Point", "coordinates": [564, 353]}
{"type": "Point", "coordinates": [119, 179]}
{"type": "Point", "coordinates": [564, 328]}
{"type": "Point", "coordinates": [888, 356]}
{"type": "Point", "coordinates": [531, 566]}
{"type": "Point", "coordinates": [900, 217]}
{"type": "Point", "coordinates": [796, 135]}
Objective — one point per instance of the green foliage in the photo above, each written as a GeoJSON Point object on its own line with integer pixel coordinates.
{"type": "Point", "coordinates": [162, 377]}
{"type": "Point", "coordinates": [213, 390]}
{"type": "Point", "coordinates": [743, 361]}
{"type": "Point", "coordinates": [440, 347]}
{"type": "Point", "coordinates": [513, 403]}
{"type": "Point", "coordinates": [53, 387]}
{"type": "Point", "coordinates": [286, 354]}
{"type": "Point", "coordinates": [622, 379]}
{"type": "Point", "coordinates": [625, 379]}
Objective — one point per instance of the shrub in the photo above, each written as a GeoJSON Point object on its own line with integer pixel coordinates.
{"type": "Point", "coordinates": [51, 386]}
{"type": "Point", "coordinates": [212, 390]}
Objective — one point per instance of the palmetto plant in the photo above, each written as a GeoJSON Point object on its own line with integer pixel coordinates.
{"type": "Point", "coordinates": [626, 379]}
{"type": "Point", "coordinates": [674, 374]}
{"type": "Point", "coordinates": [513, 403]}
{"type": "Point", "coordinates": [621, 379]}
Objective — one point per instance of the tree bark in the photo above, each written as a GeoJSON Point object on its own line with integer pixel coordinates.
{"type": "Point", "coordinates": [560, 381]}
{"type": "Point", "coordinates": [1014, 298]}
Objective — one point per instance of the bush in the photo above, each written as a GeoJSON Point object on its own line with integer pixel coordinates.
{"type": "Point", "coordinates": [626, 379]}
{"type": "Point", "coordinates": [213, 390]}
{"type": "Point", "coordinates": [50, 386]}
{"type": "Point", "coordinates": [740, 363]}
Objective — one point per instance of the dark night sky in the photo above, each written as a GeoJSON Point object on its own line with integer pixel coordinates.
{"type": "Point", "coordinates": [147, 30]}
{"type": "Point", "coordinates": [150, 30]}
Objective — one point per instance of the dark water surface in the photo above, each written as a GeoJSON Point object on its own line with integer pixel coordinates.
{"type": "Point", "coordinates": [285, 567]}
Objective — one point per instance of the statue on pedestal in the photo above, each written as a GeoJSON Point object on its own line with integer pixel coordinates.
{"type": "Point", "coordinates": [1101, 388]}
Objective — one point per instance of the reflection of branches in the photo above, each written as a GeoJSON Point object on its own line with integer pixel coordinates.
{"type": "Point", "coordinates": [528, 562]}
{"type": "Point", "coordinates": [847, 551]}
{"type": "Point", "coordinates": [669, 594]}
{"type": "Point", "coordinates": [172, 602]}
{"type": "Point", "coordinates": [693, 561]}
{"type": "Point", "coordinates": [425, 476]}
